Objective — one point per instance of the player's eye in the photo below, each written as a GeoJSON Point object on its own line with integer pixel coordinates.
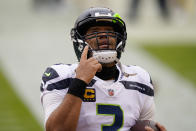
{"type": "Point", "coordinates": [91, 32]}
{"type": "Point", "coordinates": [94, 31]}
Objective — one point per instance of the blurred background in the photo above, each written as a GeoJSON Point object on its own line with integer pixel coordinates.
{"type": "Point", "coordinates": [34, 34]}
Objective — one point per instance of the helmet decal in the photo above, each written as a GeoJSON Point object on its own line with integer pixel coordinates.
{"type": "Point", "coordinates": [80, 47]}
{"type": "Point", "coordinates": [97, 14]}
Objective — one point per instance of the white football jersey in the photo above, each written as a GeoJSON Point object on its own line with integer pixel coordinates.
{"type": "Point", "coordinates": [107, 105]}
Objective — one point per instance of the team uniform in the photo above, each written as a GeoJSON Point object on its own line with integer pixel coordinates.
{"type": "Point", "coordinates": [107, 105]}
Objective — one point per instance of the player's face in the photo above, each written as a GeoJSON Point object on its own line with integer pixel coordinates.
{"type": "Point", "coordinates": [101, 37]}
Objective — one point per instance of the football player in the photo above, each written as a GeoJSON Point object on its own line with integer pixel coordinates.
{"type": "Point", "coordinates": [99, 93]}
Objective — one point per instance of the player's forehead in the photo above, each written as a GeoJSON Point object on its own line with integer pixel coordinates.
{"type": "Point", "coordinates": [101, 28]}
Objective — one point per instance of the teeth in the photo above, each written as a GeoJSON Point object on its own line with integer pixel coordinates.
{"type": "Point", "coordinates": [103, 46]}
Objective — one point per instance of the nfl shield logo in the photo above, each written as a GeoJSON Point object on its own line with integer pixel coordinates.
{"type": "Point", "coordinates": [111, 92]}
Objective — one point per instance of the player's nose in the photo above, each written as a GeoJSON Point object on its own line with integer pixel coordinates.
{"type": "Point", "coordinates": [103, 35]}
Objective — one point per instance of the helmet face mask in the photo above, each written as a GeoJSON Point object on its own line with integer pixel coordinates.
{"type": "Point", "coordinates": [110, 48]}
{"type": "Point", "coordinates": [102, 40]}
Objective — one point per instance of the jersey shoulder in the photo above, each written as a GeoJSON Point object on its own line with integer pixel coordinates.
{"type": "Point", "coordinates": [57, 77]}
{"type": "Point", "coordinates": [136, 78]}
{"type": "Point", "coordinates": [142, 75]}
{"type": "Point", "coordinates": [59, 70]}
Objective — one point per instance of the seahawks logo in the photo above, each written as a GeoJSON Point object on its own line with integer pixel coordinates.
{"type": "Point", "coordinates": [80, 47]}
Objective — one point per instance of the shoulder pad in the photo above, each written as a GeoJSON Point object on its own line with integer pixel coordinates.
{"type": "Point", "coordinates": [142, 72]}
{"type": "Point", "coordinates": [49, 74]}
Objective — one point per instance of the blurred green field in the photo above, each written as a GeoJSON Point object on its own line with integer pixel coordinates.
{"type": "Point", "coordinates": [14, 115]}
{"type": "Point", "coordinates": [180, 57]}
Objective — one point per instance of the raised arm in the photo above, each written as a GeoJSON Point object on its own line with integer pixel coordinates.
{"type": "Point", "coordinates": [65, 116]}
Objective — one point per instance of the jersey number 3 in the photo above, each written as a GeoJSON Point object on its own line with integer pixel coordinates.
{"type": "Point", "coordinates": [108, 110]}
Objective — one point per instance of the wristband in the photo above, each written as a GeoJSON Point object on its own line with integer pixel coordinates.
{"type": "Point", "coordinates": [77, 88]}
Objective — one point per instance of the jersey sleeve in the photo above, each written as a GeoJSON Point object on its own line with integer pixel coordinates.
{"type": "Point", "coordinates": [55, 82]}
{"type": "Point", "coordinates": [148, 110]}
{"type": "Point", "coordinates": [50, 102]}
{"type": "Point", "coordinates": [148, 107]}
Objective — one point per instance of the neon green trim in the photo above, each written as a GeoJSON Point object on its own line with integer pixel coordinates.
{"type": "Point", "coordinates": [116, 15]}
{"type": "Point", "coordinates": [47, 74]}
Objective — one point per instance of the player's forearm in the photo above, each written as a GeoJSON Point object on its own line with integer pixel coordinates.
{"type": "Point", "coordinates": [65, 117]}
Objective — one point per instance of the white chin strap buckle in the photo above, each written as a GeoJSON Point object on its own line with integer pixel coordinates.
{"type": "Point", "coordinates": [105, 56]}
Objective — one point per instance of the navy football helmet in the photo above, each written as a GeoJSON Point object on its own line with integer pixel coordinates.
{"type": "Point", "coordinates": [99, 17]}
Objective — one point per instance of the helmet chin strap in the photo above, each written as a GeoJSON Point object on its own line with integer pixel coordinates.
{"type": "Point", "coordinates": [120, 65]}
{"type": "Point", "coordinates": [105, 56]}
{"type": "Point", "coordinates": [108, 56]}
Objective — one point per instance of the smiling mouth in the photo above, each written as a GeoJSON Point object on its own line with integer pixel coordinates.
{"type": "Point", "coordinates": [103, 46]}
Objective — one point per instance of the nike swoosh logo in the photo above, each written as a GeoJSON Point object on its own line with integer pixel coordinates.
{"type": "Point", "coordinates": [47, 74]}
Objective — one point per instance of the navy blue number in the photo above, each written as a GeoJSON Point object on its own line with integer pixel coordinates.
{"type": "Point", "coordinates": [106, 109]}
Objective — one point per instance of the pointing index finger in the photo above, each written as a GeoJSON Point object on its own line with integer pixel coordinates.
{"type": "Point", "coordinates": [84, 53]}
